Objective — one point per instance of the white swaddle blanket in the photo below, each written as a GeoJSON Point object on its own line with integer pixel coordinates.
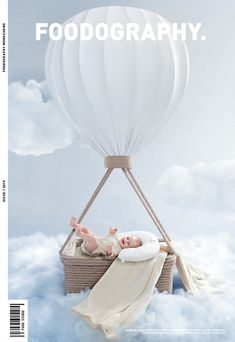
{"type": "Point", "coordinates": [194, 279]}
{"type": "Point", "coordinates": [125, 289]}
{"type": "Point", "coordinates": [122, 294]}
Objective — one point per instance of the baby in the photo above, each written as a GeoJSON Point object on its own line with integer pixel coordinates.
{"type": "Point", "coordinates": [109, 245]}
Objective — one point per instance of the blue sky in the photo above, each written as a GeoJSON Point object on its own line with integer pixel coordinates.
{"type": "Point", "coordinates": [187, 172]}
{"type": "Point", "coordinates": [57, 183]}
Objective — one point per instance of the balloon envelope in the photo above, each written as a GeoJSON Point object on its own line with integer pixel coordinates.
{"type": "Point", "coordinates": [117, 93]}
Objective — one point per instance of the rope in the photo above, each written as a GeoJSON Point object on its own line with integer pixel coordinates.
{"type": "Point", "coordinates": [87, 207]}
{"type": "Point", "coordinates": [147, 206]}
{"type": "Point", "coordinates": [143, 195]}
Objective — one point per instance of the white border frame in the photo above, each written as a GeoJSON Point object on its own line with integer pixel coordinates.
{"type": "Point", "coordinates": [4, 311]}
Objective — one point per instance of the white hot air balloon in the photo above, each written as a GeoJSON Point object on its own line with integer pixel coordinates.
{"type": "Point", "coordinates": [117, 93]}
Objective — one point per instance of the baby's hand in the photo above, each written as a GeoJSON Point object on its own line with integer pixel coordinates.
{"type": "Point", "coordinates": [112, 230]}
{"type": "Point", "coordinates": [109, 249]}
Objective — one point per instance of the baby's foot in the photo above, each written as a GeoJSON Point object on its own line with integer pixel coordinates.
{"type": "Point", "coordinates": [73, 221]}
{"type": "Point", "coordinates": [77, 230]}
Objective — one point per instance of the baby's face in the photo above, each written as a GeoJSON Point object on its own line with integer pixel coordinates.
{"type": "Point", "coordinates": [130, 241]}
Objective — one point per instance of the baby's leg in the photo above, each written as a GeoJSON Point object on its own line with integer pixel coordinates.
{"type": "Point", "coordinates": [74, 224]}
{"type": "Point", "coordinates": [90, 240]}
{"type": "Point", "coordinates": [85, 229]}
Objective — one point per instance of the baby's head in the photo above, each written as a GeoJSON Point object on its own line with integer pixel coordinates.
{"type": "Point", "coordinates": [130, 241]}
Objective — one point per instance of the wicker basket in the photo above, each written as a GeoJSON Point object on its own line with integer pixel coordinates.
{"type": "Point", "coordinates": [82, 271]}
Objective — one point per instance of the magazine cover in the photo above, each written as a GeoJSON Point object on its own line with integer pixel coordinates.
{"type": "Point", "coordinates": [117, 170]}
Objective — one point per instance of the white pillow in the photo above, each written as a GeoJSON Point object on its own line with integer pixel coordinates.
{"type": "Point", "coordinates": [150, 247]}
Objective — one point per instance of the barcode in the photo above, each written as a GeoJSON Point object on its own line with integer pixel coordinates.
{"type": "Point", "coordinates": [18, 320]}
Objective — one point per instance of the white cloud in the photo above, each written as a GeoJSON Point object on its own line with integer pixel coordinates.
{"type": "Point", "coordinates": [208, 186]}
{"type": "Point", "coordinates": [36, 274]}
{"type": "Point", "coordinates": [36, 126]}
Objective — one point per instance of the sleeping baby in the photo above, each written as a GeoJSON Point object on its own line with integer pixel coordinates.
{"type": "Point", "coordinates": [109, 245]}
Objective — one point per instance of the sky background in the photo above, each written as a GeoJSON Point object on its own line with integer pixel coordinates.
{"type": "Point", "coordinates": [187, 171]}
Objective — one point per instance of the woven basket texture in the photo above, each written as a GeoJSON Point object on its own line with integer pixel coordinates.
{"type": "Point", "coordinates": [83, 271]}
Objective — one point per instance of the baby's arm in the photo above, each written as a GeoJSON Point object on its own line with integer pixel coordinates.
{"type": "Point", "coordinates": [109, 253]}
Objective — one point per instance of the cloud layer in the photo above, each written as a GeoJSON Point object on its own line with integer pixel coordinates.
{"type": "Point", "coordinates": [36, 126]}
{"type": "Point", "coordinates": [202, 186]}
{"type": "Point", "coordinates": [36, 274]}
